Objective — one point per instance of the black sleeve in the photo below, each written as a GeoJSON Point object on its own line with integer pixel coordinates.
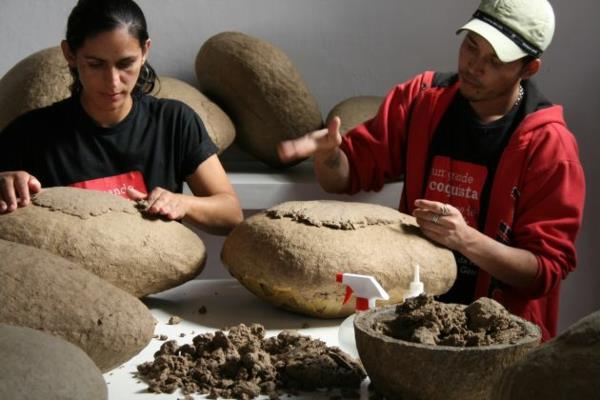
{"type": "Point", "coordinates": [197, 145]}
{"type": "Point", "coordinates": [11, 145]}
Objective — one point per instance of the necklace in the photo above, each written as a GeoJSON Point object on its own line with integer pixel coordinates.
{"type": "Point", "coordinates": [519, 97]}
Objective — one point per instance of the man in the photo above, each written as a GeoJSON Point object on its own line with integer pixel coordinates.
{"type": "Point", "coordinates": [490, 169]}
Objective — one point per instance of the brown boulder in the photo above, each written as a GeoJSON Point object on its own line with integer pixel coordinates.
{"type": "Point", "coordinates": [258, 86]}
{"type": "Point", "coordinates": [217, 123]}
{"type": "Point", "coordinates": [45, 292]}
{"type": "Point", "coordinates": [289, 255]}
{"type": "Point", "coordinates": [38, 80]}
{"type": "Point", "coordinates": [567, 367]}
{"type": "Point", "coordinates": [40, 366]}
{"type": "Point", "coordinates": [109, 236]}
{"type": "Point", "coordinates": [354, 111]}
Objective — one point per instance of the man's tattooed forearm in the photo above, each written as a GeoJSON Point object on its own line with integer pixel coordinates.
{"type": "Point", "coordinates": [333, 161]}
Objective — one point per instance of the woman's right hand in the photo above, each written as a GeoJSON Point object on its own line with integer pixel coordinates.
{"type": "Point", "coordinates": [16, 188]}
{"type": "Point", "coordinates": [324, 141]}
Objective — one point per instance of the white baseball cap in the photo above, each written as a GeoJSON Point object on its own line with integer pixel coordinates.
{"type": "Point", "coordinates": [514, 28]}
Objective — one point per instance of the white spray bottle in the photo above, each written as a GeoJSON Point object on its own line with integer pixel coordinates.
{"type": "Point", "coordinates": [416, 286]}
{"type": "Point", "coordinates": [367, 290]}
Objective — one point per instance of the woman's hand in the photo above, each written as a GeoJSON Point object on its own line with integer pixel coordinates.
{"type": "Point", "coordinates": [214, 206]}
{"type": "Point", "coordinates": [161, 202]}
{"type": "Point", "coordinates": [16, 188]}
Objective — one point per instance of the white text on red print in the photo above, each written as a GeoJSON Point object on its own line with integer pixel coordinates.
{"type": "Point", "coordinates": [455, 186]}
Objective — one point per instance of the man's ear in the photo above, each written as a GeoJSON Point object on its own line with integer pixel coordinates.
{"type": "Point", "coordinates": [531, 68]}
{"type": "Point", "coordinates": [69, 56]}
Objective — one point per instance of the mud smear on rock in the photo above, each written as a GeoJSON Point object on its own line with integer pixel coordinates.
{"type": "Point", "coordinates": [242, 364]}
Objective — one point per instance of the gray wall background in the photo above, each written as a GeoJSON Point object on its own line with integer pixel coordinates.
{"type": "Point", "coordinates": [344, 48]}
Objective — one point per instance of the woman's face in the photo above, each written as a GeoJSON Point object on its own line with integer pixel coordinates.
{"type": "Point", "coordinates": [108, 65]}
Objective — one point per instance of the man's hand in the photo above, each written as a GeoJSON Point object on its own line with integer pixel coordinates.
{"type": "Point", "coordinates": [16, 188]}
{"type": "Point", "coordinates": [330, 163]}
{"type": "Point", "coordinates": [172, 206]}
{"type": "Point", "coordinates": [445, 225]}
{"type": "Point", "coordinates": [442, 223]}
{"type": "Point", "coordinates": [322, 142]}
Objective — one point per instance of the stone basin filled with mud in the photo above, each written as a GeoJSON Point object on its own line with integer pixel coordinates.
{"type": "Point", "coordinates": [425, 349]}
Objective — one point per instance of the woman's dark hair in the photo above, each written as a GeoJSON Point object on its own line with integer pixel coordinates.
{"type": "Point", "coordinates": [92, 17]}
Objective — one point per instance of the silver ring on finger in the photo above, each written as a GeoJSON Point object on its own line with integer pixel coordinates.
{"type": "Point", "coordinates": [435, 219]}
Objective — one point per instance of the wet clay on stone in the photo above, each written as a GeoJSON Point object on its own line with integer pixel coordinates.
{"type": "Point", "coordinates": [424, 320]}
{"type": "Point", "coordinates": [330, 214]}
{"type": "Point", "coordinates": [77, 203]}
{"type": "Point", "coordinates": [290, 254]}
{"type": "Point", "coordinates": [243, 364]}
{"type": "Point", "coordinates": [109, 236]}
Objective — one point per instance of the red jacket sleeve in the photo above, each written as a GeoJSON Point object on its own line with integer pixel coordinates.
{"type": "Point", "coordinates": [549, 216]}
{"type": "Point", "coordinates": [375, 149]}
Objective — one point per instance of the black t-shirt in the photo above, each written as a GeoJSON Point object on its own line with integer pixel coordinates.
{"type": "Point", "coordinates": [463, 158]}
{"type": "Point", "coordinates": [160, 142]}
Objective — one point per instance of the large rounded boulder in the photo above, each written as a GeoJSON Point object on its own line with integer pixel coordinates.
{"type": "Point", "coordinates": [258, 86]}
{"type": "Point", "coordinates": [36, 366]}
{"type": "Point", "coordinates": [38, 80]}
{"type": "Point", "coordinates": [217, 123]}
{"type": "Point", "coordinates": [109, 236]}
{"type": "Point", "coordinates": [567, 367]}
{"type": "Point", "coordinates": [355, 111]}
{"type": "Point", "coordinates": [43, 291]}
{"type": "Point", "coordinates": [290, 254]}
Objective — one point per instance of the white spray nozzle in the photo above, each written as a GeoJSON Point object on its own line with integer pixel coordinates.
{"type": "Point", "coordinates": [416, 286]}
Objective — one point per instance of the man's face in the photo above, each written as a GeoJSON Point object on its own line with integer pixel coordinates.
{"type": "Point", "coordinates": [483, 77]}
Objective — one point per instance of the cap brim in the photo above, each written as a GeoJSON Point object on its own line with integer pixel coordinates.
{"type": "Point", "coordinates": [506, 49]}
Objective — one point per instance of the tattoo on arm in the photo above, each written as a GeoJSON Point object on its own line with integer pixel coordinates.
{"type": "Point", "coordinates": [333, 161]}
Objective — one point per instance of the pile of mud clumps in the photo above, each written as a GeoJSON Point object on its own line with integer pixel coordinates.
{"type": "Point", "coordinates": [243, 364]}
{"type": "Point", "coordinates": [424, 320]}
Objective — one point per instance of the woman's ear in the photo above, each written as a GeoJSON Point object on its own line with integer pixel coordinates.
{"type": "Point", "coordinates": [69, 56]}
{"type": "Point", "coordinates": [146, 50]}
{"type": "Point", "coordinates": [531, 68]}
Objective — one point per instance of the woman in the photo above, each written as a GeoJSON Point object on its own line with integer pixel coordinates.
{"type": "Point", "coordinates": [111, 135]}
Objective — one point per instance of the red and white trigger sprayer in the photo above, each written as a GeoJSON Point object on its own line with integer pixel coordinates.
{"type": "Point", "coordinates": [367, 290]}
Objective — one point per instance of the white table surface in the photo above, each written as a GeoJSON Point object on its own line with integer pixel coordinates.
{"type": "Point", "coordinates": [227, 303]}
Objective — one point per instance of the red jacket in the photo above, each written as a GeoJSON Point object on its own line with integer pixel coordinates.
{"type": "Point", "coordinates": [536, 199]}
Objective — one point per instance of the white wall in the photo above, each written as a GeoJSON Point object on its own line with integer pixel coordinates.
{"type": "Point", "coordinates": [353, 47]}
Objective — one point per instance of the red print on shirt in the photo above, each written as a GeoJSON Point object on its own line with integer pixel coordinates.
{"type": "Point", "coordinates": [458, 183]}
{"type": "Point", "coordinates": [117, 184]}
